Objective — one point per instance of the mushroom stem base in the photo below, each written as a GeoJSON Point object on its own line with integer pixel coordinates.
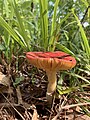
{"type": "Point", "coordinates": [51, 85]}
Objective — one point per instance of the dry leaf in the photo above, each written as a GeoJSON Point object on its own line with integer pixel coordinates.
{"type": "Point", "coordinates": [4, 80]}
{"type": "Point", "coordinates": [35, 115]}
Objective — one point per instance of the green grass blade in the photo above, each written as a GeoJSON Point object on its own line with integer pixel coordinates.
{"type": "Point", "coordinates": [84, 38]}
{"type": "Point", "coordinates": [44, 22]}
{"type": "Point", "coordinates": [85, 2]}
{"type": "Point", "coordinates": [6, 8]}
{"type": "Point", "coordinates": [54, 17]}
{"type": "Point", "coordinates": [20, 23]}
{"type": "Point", "coordinates": [53, 26]}
{"type": "Point", "coordinates": [5, 25]}
{"type": "Point", "coordinates": [78, 76]}
{"type": "Point", "coordinates": [64, 49]}
{"type": "Point", "coordinates": [71, 89]}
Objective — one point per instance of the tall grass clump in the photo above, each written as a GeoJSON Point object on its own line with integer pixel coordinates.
{"type": "Point", "coordinates": [43, 26]}
{"type": "Point", "coordinates": [30, 30]}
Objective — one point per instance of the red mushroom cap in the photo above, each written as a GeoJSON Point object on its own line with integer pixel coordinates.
{"type": "Point", "coordinates": [51, 60]}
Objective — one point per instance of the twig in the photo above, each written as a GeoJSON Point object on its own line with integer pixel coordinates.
{"type": "Point", "coordinates": [14, 108]}
{"type": "Point", "coordinates": [19, 96]}
{"type": "Point", "coordinates": [68, 107]}
{"type": "Point", "coordinates": [74, 105]}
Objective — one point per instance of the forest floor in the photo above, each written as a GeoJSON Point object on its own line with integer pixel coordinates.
{"type": "Point", "coordinates": [23, 97]}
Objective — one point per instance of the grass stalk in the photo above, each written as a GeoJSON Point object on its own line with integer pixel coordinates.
{"type": "Point", "coordinates": [53, 27]}
{"type": "Point", "coordinates": [44, 23]}
{"type": "Point", "coordinates": [20, 23]}
{"type": "Point", "coordinates": [83, 35]}
{"type": "Point", "coordinates": [6, 26]}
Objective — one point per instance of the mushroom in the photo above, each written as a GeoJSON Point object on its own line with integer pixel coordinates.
{"type": "Point", "coordinates": [51, 62]}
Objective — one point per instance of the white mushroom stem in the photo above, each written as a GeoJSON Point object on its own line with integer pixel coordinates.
{"type": "Point", "coordinates": [51, 85]}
